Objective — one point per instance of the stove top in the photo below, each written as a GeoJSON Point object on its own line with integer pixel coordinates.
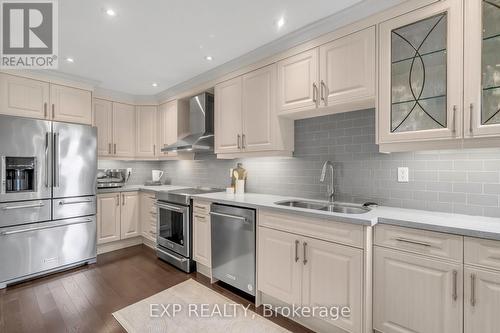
{"type": "Point", "coordinates": [183, 196]}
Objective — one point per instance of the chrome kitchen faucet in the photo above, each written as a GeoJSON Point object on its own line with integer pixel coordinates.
{"type": "Point", "coordinates": [330, 188]}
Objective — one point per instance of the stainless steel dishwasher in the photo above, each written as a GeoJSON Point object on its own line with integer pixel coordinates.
{"type": "Point", "coordinates": [233, 246]}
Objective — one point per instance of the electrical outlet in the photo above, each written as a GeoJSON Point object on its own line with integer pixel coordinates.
{"type": "Point", "coordinates": [403, 175]}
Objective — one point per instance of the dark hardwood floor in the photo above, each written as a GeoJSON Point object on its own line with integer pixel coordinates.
{"type": "Point", "coordinates": [83, 299]}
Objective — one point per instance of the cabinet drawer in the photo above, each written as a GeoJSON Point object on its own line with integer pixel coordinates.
{"type": "Point", "coordinates": [338, 232]}
{"type": "Point", "coordinates": [201, 208]}
{"type": "Point", "coordinates": [424, 242]}
{"type": "Point", "coordinates": [482, 252]}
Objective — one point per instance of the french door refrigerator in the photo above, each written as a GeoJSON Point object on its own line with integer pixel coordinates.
{"type": "Point", "coordinates": [47, 197]}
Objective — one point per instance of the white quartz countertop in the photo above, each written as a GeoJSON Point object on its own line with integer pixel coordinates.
{"type": "Point", "coordinates": [129, 188]}
{"type": "Point", "coordinates": [465, 225]}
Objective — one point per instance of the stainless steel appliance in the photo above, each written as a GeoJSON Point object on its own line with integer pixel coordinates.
{"type": "Point", "coordinates": [201, 126]}
{"type": "Point", "coordinates": [111, 178]}
{"type": "Point", "coordinates": [233, 246]}
{"type": "Point", "coordinates": [174, 225]}
{"type": "Point", "coordinates": [47, 197]}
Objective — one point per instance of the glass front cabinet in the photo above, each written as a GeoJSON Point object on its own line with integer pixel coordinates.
{"type": "Point", "coordinates": [421, 66]}
{"type": "Point", "coordinates": [482, 68]}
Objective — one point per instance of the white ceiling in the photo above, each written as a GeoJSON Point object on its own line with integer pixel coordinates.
{"type": "Point", "coordinates": [165, 41]}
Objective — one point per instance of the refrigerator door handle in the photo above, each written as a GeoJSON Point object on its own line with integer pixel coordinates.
{"type": "Point", "coordinates": [3, 176]}
{"type": "Point", "coordinates": [20, 231]}
{"type": "Point", "coordinates": [47, 145]}
{"type": "Point", "coordinates": [55, 167]}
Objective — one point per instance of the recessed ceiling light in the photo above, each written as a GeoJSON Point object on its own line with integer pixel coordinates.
{"type": "Point", "coordinates": [209, 58]}
{"type": "Point", "coordinates": [110, 12]}
{"type": "Point", "coordinates": [70, 60]}
{"type": "Point", "coordinates": [154, 84]}
{"type": "Point", "coordinates": [281, 22]}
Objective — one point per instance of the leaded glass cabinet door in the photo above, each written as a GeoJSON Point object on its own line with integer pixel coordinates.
{"type": "Point", "coordinates": [482, 68]}
{"type": "Point", "coordinates": [421, 75]}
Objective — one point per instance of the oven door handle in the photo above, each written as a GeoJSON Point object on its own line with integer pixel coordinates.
{"type": "Point", "coordinates": [174, 208]}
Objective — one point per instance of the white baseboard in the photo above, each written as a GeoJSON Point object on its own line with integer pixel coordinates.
{"type": "Point", "coordinates": [149, 243]}
{"type": "Point", "coordinates": [121, 244]}
{"type": "Point", "coordinates": [205, 270]}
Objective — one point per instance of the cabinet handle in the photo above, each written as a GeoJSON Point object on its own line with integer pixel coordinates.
{"type": "Point", "coordinates": [473, 290]}
{"type": "Point", "coordinates": [455, 291]}
{"type": "Point", "coordinates": [154, 150]}
{"type": "Point", "coordinates": [471, 122]}
{"type": "Point", "coordinates": [118, 200]}
{"type": "Point", "coordinates": [404, 240]}
{"type": "Point", "coordinates": [109, 148]}
{"type": "Point", "coordinates": [45, 110]}
{"type": "Point", "coordinates": [305, 253]}
{"type": "Point", "coordinates": [53, 111]}
{"type": "Point", "coordinates": [454, 124]}
{"type": "Point", "coordinates": [243, 141]}
{"type": "Point", "coordinates": [296, 250]}
{"type": "Point", "coordinates": [239, 138]}
{"type": "Point", "coordinates": [323, 96]}
{"type": "Point", "coordinates": [115, 148]}
{"type": "Point", "coordinates": [315, 90]}
{"type": "Point", "coordinates": [123, 199]}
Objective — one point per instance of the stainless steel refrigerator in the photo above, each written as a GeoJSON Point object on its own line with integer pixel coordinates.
{"type": "Point", "coordinates": [47, 197]}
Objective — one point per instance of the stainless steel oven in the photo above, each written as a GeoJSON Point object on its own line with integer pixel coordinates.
{"type": "Point", "coordinates": [174, 227]}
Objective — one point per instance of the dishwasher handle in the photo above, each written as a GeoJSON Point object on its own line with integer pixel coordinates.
{"type": "Point", "coordinates": [234, 217]}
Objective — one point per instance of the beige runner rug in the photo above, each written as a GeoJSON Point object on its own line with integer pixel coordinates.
{"type": "Point", "coordinates": [191, 307]}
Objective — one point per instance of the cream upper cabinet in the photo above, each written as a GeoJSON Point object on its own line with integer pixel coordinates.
{"type": "Point", "coordinates": [298, 82]}
{"type": "Point", "coordinates": [259, 109]}
{"type": "Point", "coordinates": [482, 301]}
{"type": "Point", "coordinates": [347, 70]}
{"type": "Point", "coordinates": [482, 69]}
{"type": "Point", "coordinates": [170, 119]}
{"type": "Point", "coordinates": [124, 130]}
{"type": "Point", "coordinates": [130, 226]}
{"type": "Point", "coordinates": [415, 294]}
{"type": "Point", "coordinates": [24, 97]}
{"type": "Point", "coordinates": [103, 120]}
{"type": "Point", "coordinates": [333, 274]}
{"type": "Point", "coordinates": [146, 131]}
{"type": "Point", "coordinates": [108, 217]}
{"type": "Point", "coordinates": [420, 69]}
{"type": "Point", "coordinates": [202, 250]}
{"type": "Point", "coordinates": [70, 104]}
{"type": "Point", "coordinates": [279, 265]}
{"type": "Point", "coordinates": [228, 116]}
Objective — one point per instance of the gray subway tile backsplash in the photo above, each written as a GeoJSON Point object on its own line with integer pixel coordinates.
{"type": "Point", "coordinates": [461, 181]}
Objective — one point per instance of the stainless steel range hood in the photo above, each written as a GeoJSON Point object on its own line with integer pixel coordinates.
{"type": "Point", "coordinates": [201, 126]}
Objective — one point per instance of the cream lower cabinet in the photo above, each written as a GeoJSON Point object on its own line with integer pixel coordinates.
{"type": "Point", "coordinates": [202, 250]}
{"type": "Point", "coordinates": [108, 217]}
{"type": "Point", "coordinates": [148, 215]}
{"type": "Point", "coordinates": [25, 97]}
{"type": "Point", "coordinates": [415, 294]}
{"type": "Point", "coordinates": [481, 285]}
{"type": "Point", "coordinates": [309, 272]}
{"type": "Point", "coordinates": [117, 216]}
{"type": "Point", "coordinates": [129, 221]}
{"type": "Point", "coordinates": [279, 268]}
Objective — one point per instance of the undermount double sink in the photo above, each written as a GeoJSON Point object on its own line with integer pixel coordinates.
{"type": "Point", "coordinates": [325, 206]}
